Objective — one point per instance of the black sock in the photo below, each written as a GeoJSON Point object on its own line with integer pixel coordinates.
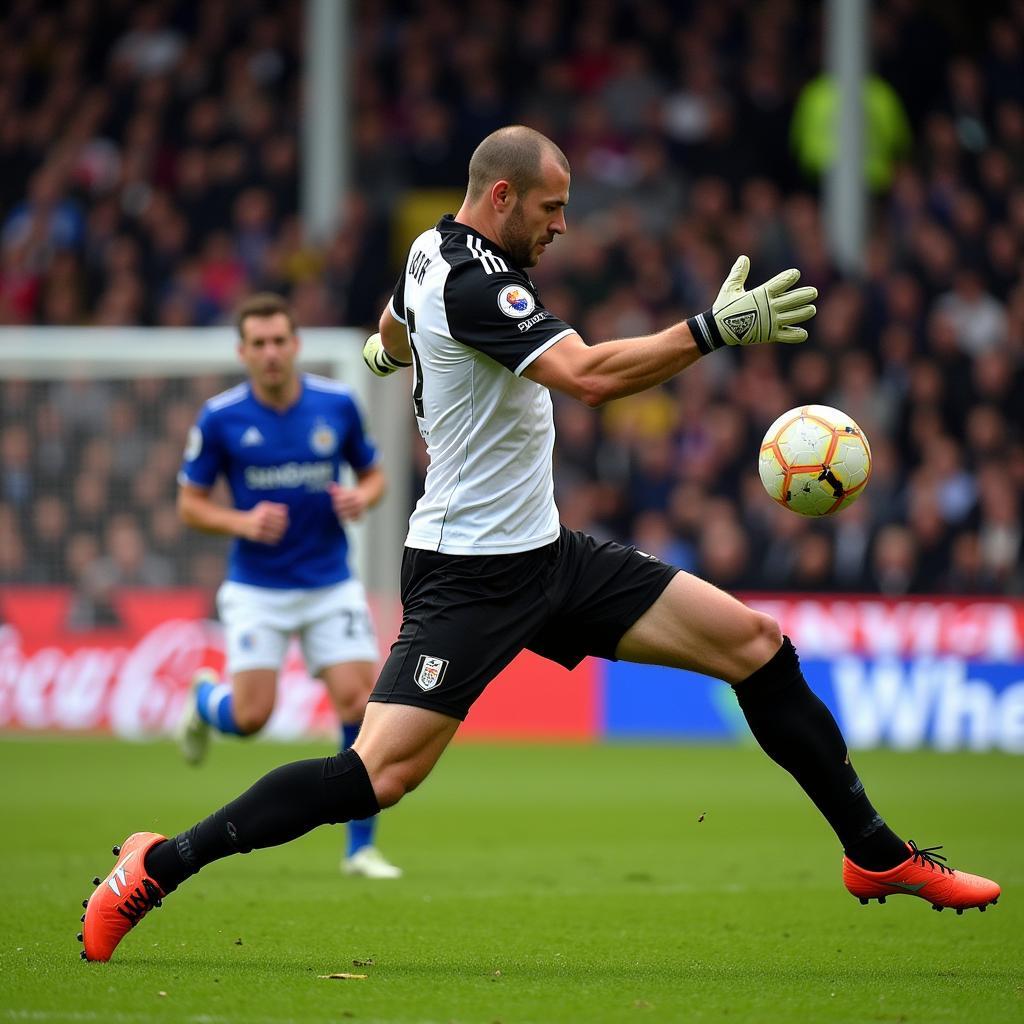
{"type": "Point", "coordinates": [798, 732]}
{"type": "Point", "coordinates": [285, 804]}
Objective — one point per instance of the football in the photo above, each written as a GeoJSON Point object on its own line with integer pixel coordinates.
{"type": "Point", "coordinates": [814, 460]}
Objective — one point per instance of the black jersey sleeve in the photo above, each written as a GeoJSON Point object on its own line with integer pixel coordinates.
{"type": "Point", "coordinates": [397, 303]}
{"type": "Point", "coordinates": [499, 314]}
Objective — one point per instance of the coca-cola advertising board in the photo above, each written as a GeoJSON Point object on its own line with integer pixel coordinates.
{"type": "Point", "coordinates": [132, 678]}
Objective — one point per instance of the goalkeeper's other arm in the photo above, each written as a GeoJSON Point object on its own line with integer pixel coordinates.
{"type": "Point", "coordinates": [388, 350]}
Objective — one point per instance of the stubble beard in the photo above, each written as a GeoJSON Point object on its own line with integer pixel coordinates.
{"type": "Point", "coordinates": [516, 239]}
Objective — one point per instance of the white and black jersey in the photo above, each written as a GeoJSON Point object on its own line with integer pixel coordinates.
{"type": "Point", "coordinates": [475, 323]}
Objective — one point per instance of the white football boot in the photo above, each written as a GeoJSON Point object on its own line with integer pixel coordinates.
{"type": "Point", "coordinates": [192, 733]}
{"type": "Point", "coordinates": [369, 862]}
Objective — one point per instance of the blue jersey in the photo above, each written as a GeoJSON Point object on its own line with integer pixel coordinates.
{"type": "Point", "coordinates": [290, 457]}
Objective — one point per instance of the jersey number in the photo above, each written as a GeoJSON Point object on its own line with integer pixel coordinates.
{"type": "Point", "coordinates": [417, 369]}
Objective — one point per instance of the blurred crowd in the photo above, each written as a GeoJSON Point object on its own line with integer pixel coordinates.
{"type": "Point", "coordinates": [151, 156]}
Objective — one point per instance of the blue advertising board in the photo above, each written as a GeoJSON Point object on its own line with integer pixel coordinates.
{"type": "Point", "coordinates": [942, 701]}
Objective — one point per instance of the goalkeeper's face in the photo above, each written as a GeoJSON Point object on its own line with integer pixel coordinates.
{"type": "Point", "coordinates": [268, 348]}
{"type": "Point", "coordinates": [537, 216]}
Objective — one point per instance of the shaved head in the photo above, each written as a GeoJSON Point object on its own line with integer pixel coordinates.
{"type": "Point", "coordinates": [514, 154]}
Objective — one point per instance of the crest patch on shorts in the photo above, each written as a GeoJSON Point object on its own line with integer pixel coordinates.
{"type": "Point", "coordinates": [430, 671]}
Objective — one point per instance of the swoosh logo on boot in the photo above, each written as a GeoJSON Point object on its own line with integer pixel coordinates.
{"type": "Point", "coordinates": [906, 886]}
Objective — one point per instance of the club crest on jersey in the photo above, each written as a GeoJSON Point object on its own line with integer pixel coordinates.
{"type": "Point", "coordinates": [323, 440]}
{"type": "Point", "coordinates": [516, 302]}
{"type": "Point", "coordinates": [430, 671]}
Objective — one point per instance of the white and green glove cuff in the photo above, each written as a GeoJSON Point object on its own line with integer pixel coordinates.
{"type": "Point", "coordinates": [378, 359]}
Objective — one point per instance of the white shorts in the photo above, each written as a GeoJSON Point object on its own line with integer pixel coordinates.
{"type": "Point", "coordinates": [333, 625]}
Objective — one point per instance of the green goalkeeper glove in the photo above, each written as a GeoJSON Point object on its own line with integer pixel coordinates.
{"type": "Point", "coordinates": [376, 357]}
{"type": "Point", "coordinates": [764, 314]}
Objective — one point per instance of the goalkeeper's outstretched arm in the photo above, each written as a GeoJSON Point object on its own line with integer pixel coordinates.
{"type": "Point", "coordinates": [613, 369]}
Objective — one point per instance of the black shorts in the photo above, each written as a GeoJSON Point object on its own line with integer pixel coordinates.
{"type": "Point", "coordinates": [467, 616]}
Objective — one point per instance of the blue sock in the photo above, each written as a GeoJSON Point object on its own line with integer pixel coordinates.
{"type": "Point", "coordinates": [349, 732]}
{"type": "Point", "coordinates": [214, 703]}
{"type": "Point", "coordinates": [360, 832]}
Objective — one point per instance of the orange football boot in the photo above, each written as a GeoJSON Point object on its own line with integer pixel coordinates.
{"type": "Point", "coordinates": [922, 874]}
{"type": "Point", "coordinates": [121, 900]}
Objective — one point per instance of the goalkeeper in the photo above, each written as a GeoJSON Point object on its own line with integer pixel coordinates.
{"type": "Point", "coordinates": [488, 570]}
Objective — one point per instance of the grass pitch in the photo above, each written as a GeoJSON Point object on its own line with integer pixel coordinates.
{"type": "Point", "coordinates": [543, 884]}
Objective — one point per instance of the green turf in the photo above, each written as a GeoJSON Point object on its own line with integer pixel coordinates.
{"type": "Point", "coordinates": [544, 884]}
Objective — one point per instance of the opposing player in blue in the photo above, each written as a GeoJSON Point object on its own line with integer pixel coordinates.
{"type": "Point", "coordinates": [280, 439]}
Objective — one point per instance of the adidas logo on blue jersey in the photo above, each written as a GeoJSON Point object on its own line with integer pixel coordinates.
{"type": "Point", "coordinates": [252, 437]}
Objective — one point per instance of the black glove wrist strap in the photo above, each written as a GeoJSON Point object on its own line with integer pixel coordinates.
{"type": "Point", "coordinates": [705, 332]}
{"type": "Point", "coordinates": [387, 361]}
